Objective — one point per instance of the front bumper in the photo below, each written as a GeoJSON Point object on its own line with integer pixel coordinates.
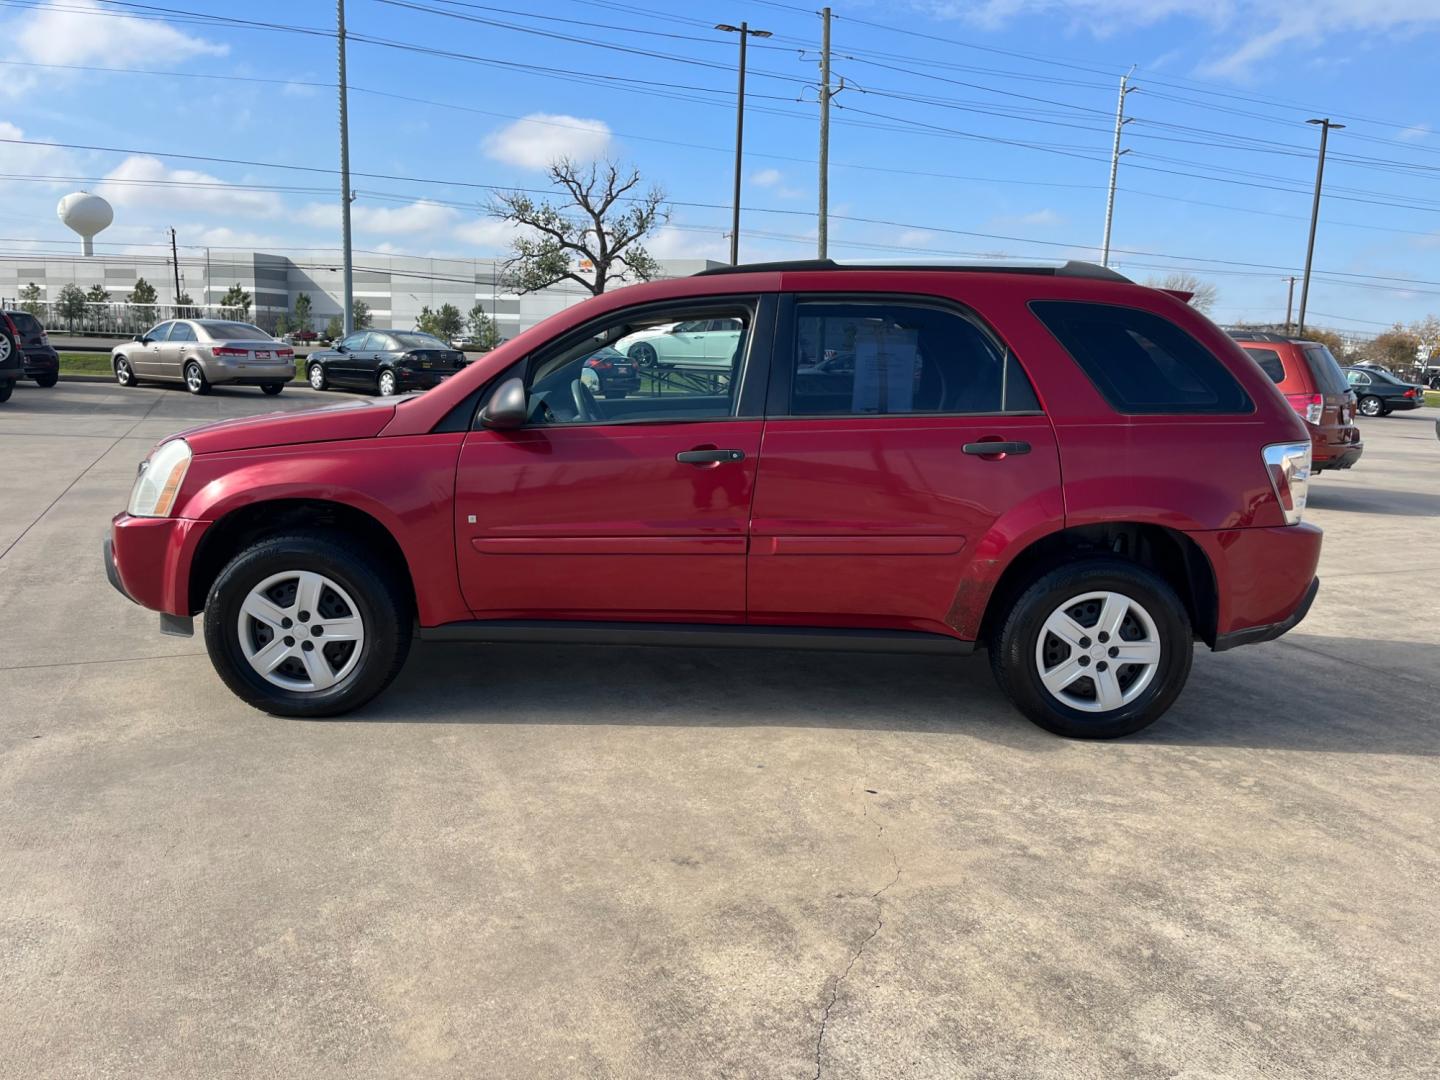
{"type": "Point", "coordinates": [148, 560]}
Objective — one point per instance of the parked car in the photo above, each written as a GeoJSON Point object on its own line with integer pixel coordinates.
{"type": "Point", "coordinates": [693, 343]}
{"type": "Point", "coordinates": [1311, 379]}
{"type": "Point", "coordinates": [202, 353]}
{"type": "Point", "coordinates": [39, 358]}
{"type": "Point", "coordinates": [1034, 491]}
{"type": "Point", "coordinates": [1380, 392]}
{"type": "Point", "coordinates": [302, 337]}
{"type": "Point", "coordinates": [12, 363]}
{"type": "Point", "coordinates": [610, 373]}
{"type": "Point", "coordinates": [385, 362]}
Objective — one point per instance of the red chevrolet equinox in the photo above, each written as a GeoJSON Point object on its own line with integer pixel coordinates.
{"type": "Point", "coordinates": [1082, 475]}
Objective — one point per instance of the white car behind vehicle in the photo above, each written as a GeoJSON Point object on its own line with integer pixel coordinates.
{"type": "Point", "coordinates": [696, 343]}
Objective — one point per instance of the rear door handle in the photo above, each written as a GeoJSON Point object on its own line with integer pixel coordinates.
{"type": "Point", "coordinates": [989, 449]}
{"type": "Point", "coordinates": [707, 457]}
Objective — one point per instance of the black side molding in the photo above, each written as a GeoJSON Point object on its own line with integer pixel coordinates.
{"type": "Point", "coordinates": [1254, 635]}
{"type": "Point", "coordinates": [696, 635]}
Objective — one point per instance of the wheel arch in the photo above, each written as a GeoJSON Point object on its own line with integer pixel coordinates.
{"type": "Point", "coordinates": [238, 528]}
{"type": "Point", "coordinates": [1168, 552]}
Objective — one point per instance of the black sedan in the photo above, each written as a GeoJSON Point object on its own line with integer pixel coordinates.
{"type": "Point", "coordinates": [385, 362]}
{"type": "Point", "coordinates": [1380, 393]}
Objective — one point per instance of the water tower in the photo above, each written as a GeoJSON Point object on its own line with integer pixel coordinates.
{"type": "Point", "coordinates": [87, 215]}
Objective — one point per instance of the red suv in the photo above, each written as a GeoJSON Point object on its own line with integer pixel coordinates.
{"type": "Point", "coordinates": [1311, 379]}
{"type": "Point", "coordinates": [1081, 474]}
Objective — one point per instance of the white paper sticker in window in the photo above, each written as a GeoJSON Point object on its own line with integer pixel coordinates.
{"type": "Point", "coordinates": [887, 360]}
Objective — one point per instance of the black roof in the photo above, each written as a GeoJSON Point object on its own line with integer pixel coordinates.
{"type": "Point", "coordinates": [1069, 269]}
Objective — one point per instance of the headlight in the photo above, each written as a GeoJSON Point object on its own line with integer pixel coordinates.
{"type": "Point", "coordinates": [158, 484]}
{"type": "Point", "coordinates": [1289, 467]}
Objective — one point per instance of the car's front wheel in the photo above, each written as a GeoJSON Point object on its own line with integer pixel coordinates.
{"type": "Point", "coordinates": [316, 375]}
{"type": "Point", "coordinates": [1094, 650]}
{"type": "Point", "coordinates": [307, 624]}
{"type": "Point", "coordinates": [7, 387]}
{"type": "Point", "coordinates": [124, 373]}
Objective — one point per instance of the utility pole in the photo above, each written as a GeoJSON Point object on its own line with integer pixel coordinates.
{"type": "Point", "coordinates": [824, 207]}
{"type": "Point", "coordinates": [345, 195]}
{"type": "Point", "coordinates": [1289, 302]}
{"type": "Point", "coordinates": [1325, 126]}
{"type": "Point", "coordinates": [745, 32]}
{"type": "Point", "coordinates": [1120, 122]}
{"type": "Point", "coordinates": [175, 262]}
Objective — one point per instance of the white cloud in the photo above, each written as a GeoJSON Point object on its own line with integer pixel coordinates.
{"type": "Point", "coordinates": [767, 178]}
{"type": "Point", "coordinates": [34, 160]}
{"type": "Point", "coordinates": [83, 32]}
{"type": "Point", "coordinates": [540, 138]}
{"type": "Point", "coordinates": [1040, 217]}
{"type": "Point", "coordinates": [1417, 133]}
{"type": "Point", "coordinates": [421, 216]}
{"type": "Point", "coordinates": [146, 182]}
{"type": "Point", "coordinates": [915, 238]}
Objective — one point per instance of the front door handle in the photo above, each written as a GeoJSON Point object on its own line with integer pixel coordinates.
{"type": "Point", "coordinates": [708, 457]}
{"type": "Point", "coordinates": [996, 448]}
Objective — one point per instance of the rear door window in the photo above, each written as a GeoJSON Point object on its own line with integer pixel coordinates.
{"type": "Point", "coordinates": [182, 332]}
{"type": "Point", "coordinates": [1329, 379]}
{"type": "Point", "coordinates": [1140, 362]}
{"type": "Point", "coordinates": [26, 323]}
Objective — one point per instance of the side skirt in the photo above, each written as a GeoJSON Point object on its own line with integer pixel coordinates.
{"type": "Point", "coordinates": [693, 635]}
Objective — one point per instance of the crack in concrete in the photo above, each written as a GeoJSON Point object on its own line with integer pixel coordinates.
{"type": "Point", "coordinates": [864, 944]}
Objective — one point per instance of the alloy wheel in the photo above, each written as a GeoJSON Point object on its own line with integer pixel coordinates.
{"type": "Point", "coordinates": [194, 379]}
{"type": "Point", "coordinates": [387, 383]}
{"type": "Point", "coordinates": [123, 375]}
{"type": "Point", "coordinates": [5, 348]}
{"type": "Point", "coordinates": [317, 377]}
{"type": "Point", "coordinates": [1098, 651]}
{"type": "Point", "coordinates": [1370, 406]}
{"type": "Point", "coordinates": [301, 631]}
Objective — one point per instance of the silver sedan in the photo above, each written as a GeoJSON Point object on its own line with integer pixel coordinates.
{"type": "Point", "coordinates": [205, 352]}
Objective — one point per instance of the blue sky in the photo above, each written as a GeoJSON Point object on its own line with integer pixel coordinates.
{"type": "Point", "coordinates": [976, 128]}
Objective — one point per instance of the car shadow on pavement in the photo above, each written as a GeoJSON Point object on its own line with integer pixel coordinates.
{"type": "Point", "coordinates": [1371, 500]}
{"type": "Point", "coordinates": [1273, 696]}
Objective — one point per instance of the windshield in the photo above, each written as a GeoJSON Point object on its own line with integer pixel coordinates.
{"type": "Point", "coordinates": [411, 339]}
{"type": "Point", "coordinates": [234, 331]}
{"type": "Point", "coordinates": [1325, 369]}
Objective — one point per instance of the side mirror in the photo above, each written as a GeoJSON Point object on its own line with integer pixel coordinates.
{"type": "Point", "coordinates": [508, 407]}
{"type": "Point", "coordinates": [140, 338]}
{"type": "Point", "coordinates": [341, 348]}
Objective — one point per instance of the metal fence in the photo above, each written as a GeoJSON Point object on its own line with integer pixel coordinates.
{"type": "Point", "coordinates": [117, 318]}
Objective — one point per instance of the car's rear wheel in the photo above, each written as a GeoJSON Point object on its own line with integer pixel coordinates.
{"type": "Point", "coordinates": [1370, 406]}
{"type": "Point", "coordinates": [270, 389]}
{"type": "Point", "coordinates": [308, 624]}
{"type": "Point", "coordinates": [387, 384]}
{"type": "Point", "coordinates": [195, 380]}
{"type": "Point", "coordinates": [644, 355]}
{"type": "Point", "coordinates": [1094, 650]}
{"type": "Point", "coordinates": [316, 375]}
{"type": "Point", "coordinates": [124, 373]}
{"type": "Point", "coordinates": [7, 387]}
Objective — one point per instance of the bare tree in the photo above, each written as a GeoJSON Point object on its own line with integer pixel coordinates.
{"type": "Point", "coordinates": [588, 233]}
{"type": "Point", "coordinates": [1202, 293]}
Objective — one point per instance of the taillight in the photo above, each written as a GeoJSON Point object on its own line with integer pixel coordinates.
{"type": "Point", "coordinates": [285, 352]}
{"type": "Point", "coordinates": [1289, 467]}
{"type": "Point", "coordinates": [1410, 393]}
{"type": "Point", "coordinates": [599, 365]}
{"type": "Point", "coordinates": [225, 350]}
{"type": "Point", "coordinates": [1314, 408]}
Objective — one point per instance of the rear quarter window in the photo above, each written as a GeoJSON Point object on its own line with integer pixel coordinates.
{"type": "Point", "coordinates": [1270, 363]}
{"type": "Point", "coordinates": [1326, 370]}
{"type": "Point", "coordinates": [1141, 362]}
{"type": "Point", "coordinates": [25, 322]}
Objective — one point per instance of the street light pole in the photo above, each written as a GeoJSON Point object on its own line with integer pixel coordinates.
{"type": "Point", "coordinates": [745, 32]}
{"type": "Point", "coordinates": [1115, 154]}
{"type": "Point", "coordinates": [348, 296]}
{"type": "Point", "coordinates": [1325, 126]}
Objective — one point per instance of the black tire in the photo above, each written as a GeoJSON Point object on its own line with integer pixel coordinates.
{"type": "Point", "coordinates": [48, 380]}
{"type": "Point", "coordinates": [383, 602]}
{"type": "Point", "coordinates": [1370, 405]}
{"type": "Point", "coordinates": [124, 373]}
{"type": "Point", "coordinates": [1386, 411]}
{"type": "Point", "coordinates": [315, 375]}
{"type": "Point", "coordinates": [270, 389]}
{"type": "Point", "coordinates": [1014, 645]}
{"type": "Point", "coordinates": [7, 387]}
{"type": "Point", "coordinates": [393, 382]}
{"type": "Point", "coordinates": [195, 380]}
{"type": "Point", "coordinates": [644, 355]}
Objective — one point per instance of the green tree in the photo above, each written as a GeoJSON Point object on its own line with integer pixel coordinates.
{"type": "Point", "coordinates": [97, 295]}
{"type": "Point", "coordinates": [185, 307]}
{"type": "Point", "coordinates": [481, 328]}
{"type": "Point", "coordinates": [70, 304]}
{"type": "Point", "coordinates": [360, 315]}
{"type": "Point", "coordinates": [1396, 348]}
{"type": "Point", "coordinates": [583, 238]}
{"type": "Point", "coordinates": [445, 322]}
{"type": "Point", "coordinates": [235, 304]}
{"type": "Point", "coordinates": [143, 292]}
{"type": "Point", "coordinates": [334, 328]}
{"type": "Point", "coordinates": [282, 325]}
{"type": "Point", "coordinates": [30, 299]}
{"type": "Point", "coordinates": [301, 318]}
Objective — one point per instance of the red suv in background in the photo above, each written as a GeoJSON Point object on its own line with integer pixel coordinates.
{"type": "Point", "coordinates": [1312, 381]}
{"type": "Point", "coordinates": [914, 459]}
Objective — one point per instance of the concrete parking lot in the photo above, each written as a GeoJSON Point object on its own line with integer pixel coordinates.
{"type": "Point", "coordinates": [572, 862]}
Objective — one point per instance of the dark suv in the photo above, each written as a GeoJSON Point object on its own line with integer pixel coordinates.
{"type": "Point", "coordinates": [39, 359]}
{"type": "Point", "coordinates": [922, 459]}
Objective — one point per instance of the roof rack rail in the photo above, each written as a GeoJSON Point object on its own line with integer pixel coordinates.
{"type": "Point", "coordinates": [1072, 268]}
{"type": "Point", "coordinates": [1241, 334]}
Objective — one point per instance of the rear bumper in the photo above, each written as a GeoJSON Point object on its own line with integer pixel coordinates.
{"type": "Point", "coordinates": [1338, 457]}
{"type": "Point", "coordinates": [1254, 635]}
{"type": "Point", "coordinates": [247, 374]}
{"type": "Point", "coordinates": [43, 360]}
{"type": "Point", "coordinates": [422, 380]}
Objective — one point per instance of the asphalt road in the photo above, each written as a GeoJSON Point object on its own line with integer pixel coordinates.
{"type": "Point", "coordinates": [571, 862]}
